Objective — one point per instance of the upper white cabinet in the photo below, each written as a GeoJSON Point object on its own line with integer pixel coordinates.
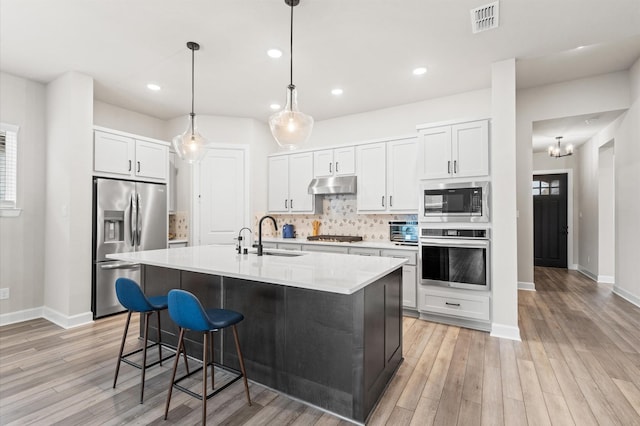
{"type": "Point", "coordinates": [130, 157]}
{"type": "Point", "coordinates": [334, 162]}
{"type": "Point", "coordinates": [289, 178]}
{"type": "Point", "coordinates": [458, 150]}
{"type": "Point", "coordinates": [387, 179]}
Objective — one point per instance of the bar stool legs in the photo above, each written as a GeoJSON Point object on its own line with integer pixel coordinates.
{"type": "Point", "coordinates": [207, 360]}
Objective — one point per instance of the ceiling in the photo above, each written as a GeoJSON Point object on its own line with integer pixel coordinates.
{"type": "Point", "coordinates": [366, 47]}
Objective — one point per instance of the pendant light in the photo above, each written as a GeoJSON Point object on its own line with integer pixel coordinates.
{"type": "Point", "coordinates": [291, 127]}
{"type": "Point", "coordinates": [190, 145]}
{"type": "Point", "coordinates": [556, 152]}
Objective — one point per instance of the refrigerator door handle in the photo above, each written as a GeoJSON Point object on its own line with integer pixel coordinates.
{"type": "Point", "coordinates": [121, 265]}
{"type": "Point", "coordinates": [133, 214]}
{"type": "Point", "coordinates": [138, 218]}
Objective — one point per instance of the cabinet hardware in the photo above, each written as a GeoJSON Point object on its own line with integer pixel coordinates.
{"type": "Point", "coordinates": [383, 201]}
{"type": "Point", "coordinates": [285, 203]}
{"type": "Point", "coordinates": [291, 202]}
{"type": "Point", "coordinates": [129, 165]}
{"type": "Point", "coordinates": [330, 171]}
{"type": "Point", "coordinates": [451, 304]}
{"type": "Point", "coordinates": [390, 200]}
{"type": "Point", "coordinates": [449, 166]}
{"type": "Point", "coordinates": [455, 166]}
{"type": "Point", "coordinates": [138, 167]}
{"type": "Point", "coordinates": [336, 167]}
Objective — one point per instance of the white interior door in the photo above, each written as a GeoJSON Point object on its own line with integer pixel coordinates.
{"type": "Point", "coordinates": [221, 195]}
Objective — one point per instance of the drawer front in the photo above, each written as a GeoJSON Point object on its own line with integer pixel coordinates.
{"type": "Point", "coordinates": [288, 246]}
{"type": "Point", "coordinates": [325, 249]}
{"type": "Point", "coordinates": [401, 254]}
{"type": "Point", "coordinates": [455, 305]}
{"type": "Point", "coordinates": [270, 245]}
{"type": "Point", "coordinates": [364, 251]}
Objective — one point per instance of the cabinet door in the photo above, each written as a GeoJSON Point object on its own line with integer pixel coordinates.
{"type": "Point", "coordinates": [409, 286]}
{"type": "Point", "coordinates": [278, 192]}
{"type": "Point", "coordinates": [402, 177]}
{"type": "Point", "coordinates": [323, 163]}
{"type": "Point", "coordinates": [300, 175]}
{"type": "Point", "coordinates": [470, 148]}
{"type": "Point", "coordinates": [173, 181]}
{"type": "Point", "coordinates": [113, 154]}
{"type": "Point", "coordinates": [151, 160]}
{"type": "Point", "coordinates": [372, 178]}
{"type": "Point", "coordinates": [344, 161]}
{"type": "Point", "coordinates": [435, 152]}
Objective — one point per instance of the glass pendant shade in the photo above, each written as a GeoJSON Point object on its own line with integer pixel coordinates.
{"type": "Point", "coordinates": [190, 145]}
{"type": "Point", "coordinates": [291, 127]}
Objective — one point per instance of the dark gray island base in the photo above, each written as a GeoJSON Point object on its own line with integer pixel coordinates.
{"type": "Point", "coordinates": [335, 351]}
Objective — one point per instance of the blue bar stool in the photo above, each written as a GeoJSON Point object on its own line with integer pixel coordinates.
{"type": "Point", "coordinates": [187, 312]}
{"type": "Point", "coordinates": [131, 297]}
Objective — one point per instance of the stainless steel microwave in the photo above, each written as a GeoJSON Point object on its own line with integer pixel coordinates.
{"type": "Point", "coordinates": [455, 202]}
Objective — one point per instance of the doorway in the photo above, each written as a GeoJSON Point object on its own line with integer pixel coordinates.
{"type": "Point", "coordinates": [221, 195]}
{"type": "Point", "coordinates": [550, 228]}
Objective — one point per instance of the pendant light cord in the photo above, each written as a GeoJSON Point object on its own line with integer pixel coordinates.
{"type": "Point", "coordinates": [193, 115]}
{"type": "Point", "coordinates": [291, 48]}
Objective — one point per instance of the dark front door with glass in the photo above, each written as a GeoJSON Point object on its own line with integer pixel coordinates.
{"type": "Point", "coordinates": [550, 228]}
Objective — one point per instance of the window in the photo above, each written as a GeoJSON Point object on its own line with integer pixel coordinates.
{"type": "Point", "coordinates": [540, 187]}
{"type": "Point", "coordinates": [8, 165]}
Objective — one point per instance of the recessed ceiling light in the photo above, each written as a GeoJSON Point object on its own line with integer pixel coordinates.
{"type": "Point", "coordinates": [419, 71]}
{"type": "Point", "coordinates": [580, 47]}
{"type": "Point", "coordinates": [153, 86]}
{"type": "Point", "coordinates": [337, 92]}
{"type": "Point", "coordinates": [274, 53]}
{"type": "Point", "coordinates": [274, 106]}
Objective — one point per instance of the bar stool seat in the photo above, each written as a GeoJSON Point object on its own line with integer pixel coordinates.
{"type": "Point", "coordinates": [133, 299]}
{"type": "Point", "coordinates": [187, 312]}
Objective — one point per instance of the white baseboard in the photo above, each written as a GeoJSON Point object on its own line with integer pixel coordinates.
{"type": "Point", "coordinates": [20, 316]}
{"type": "Point", "coordinates": [526, 286]}
{"type": "Point", "coordinates": [587, 273]}
{"type": "Point", "coordinates": [65, 321]}
{"type": "Point", "coordinates": [628, 296]}
{"type": "Point", "coordinates": [606, 279]}
{"type": "Point", "coordinates": [505, 332]}
{"type": "Point", "coordinates": [573, 266]}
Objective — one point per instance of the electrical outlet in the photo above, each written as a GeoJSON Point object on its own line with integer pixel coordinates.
{"type": "Point", "coordinates": [4, 293]}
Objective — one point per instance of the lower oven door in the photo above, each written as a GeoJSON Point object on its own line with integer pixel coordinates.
{"type": "Point", "coordinates": [460, 263]}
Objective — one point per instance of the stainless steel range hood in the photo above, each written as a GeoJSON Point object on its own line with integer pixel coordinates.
{"type": "Point", "coordinates": [333, 185]}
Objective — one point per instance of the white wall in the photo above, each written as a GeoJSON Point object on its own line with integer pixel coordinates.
{"type": "Point", "coordinates": [627, 177]}
{"type": "Point", "coordinates": [399, 120]}
{"type": "Point", "coordinates": [22, 238]}
{"type": "Point", "coordinates": [116, 118]}
{"type": "Point", "coordinates": [504, 302]}
{"type": "Point", "coordinates": [606, 92]}
{"type": "Point", "coordinates": [606, 213]}
{"type": "Point", "coordinates": [69, 161]}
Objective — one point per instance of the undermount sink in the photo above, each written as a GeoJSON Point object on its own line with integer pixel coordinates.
{"type": "Point", "coordinates": [279, 253]}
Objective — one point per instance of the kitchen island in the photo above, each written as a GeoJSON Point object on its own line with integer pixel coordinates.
{"type": "Point", "coordinates": [325, 328]}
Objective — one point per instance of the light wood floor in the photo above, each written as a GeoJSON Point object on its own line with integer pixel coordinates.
{"type": "Point", "coordinates": [578, 364]}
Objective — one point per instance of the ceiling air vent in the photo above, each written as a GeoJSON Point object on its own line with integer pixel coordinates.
{"type": "Point", "coordinates": [485, 17]}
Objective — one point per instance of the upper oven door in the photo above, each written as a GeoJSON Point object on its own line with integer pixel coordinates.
{"type": "Point", "coordinates": [460, 202]}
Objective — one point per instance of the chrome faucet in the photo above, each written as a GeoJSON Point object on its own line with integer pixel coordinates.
{"type": "Point", "coordinates": [239, 246]}
{"type": "Point", "coordinates": [259, 245]}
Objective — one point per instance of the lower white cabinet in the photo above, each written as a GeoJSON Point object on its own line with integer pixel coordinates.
{"type": "Point", "coordinates": [177, 244]}
{"type": "Point", "coordinates": [409, 277]}
{"type": "Point", "coordinates": [325, 249]}
{"type": "Point", "coordinates": [465, 304]}
{"type": "Point", "coordinates": [363, 251]}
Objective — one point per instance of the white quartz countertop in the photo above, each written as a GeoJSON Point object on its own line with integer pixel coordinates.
{"type": "Point", "coordinates": [385, 245]}
{"type": "Point", "coordinates": [331, 272]}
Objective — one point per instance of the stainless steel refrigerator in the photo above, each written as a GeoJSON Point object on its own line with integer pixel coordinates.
{"type": "Point", "coordinates": [127, 216]}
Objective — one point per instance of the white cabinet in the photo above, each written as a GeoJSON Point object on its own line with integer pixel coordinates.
{"type": "Point", "coordinates": [178, 244]}
{"type": "Point", "coordinates": [126, 156]}
{"type": "Point", "coordinates": [409, 276]}
{"type": "Point", "coordinates": [173, 182]}
{"type": "Point", "coordinates": [325, 248]}
{"type": "Point", "coordinates": [387, 179]}
{"type": "Point", "coordinates": [364, 251]}
{"type": "Point", "coordinates": [468, 305]}
{"type": "Point", "coordinates": [458, 150]}
{"type": "Point", "coordinates": [289, 178]}
{"type": "Point", "coordinates": [334, 162]}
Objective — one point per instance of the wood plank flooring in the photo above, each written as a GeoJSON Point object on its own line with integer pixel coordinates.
{"type": "Point", "coordinates": [578, 364]}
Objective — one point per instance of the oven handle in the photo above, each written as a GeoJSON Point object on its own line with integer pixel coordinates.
{"type": "Point", "coordinates": [454, 242]}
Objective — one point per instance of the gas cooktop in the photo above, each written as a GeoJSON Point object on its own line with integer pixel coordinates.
{"type": "Point", "coordinates": [335, 238]}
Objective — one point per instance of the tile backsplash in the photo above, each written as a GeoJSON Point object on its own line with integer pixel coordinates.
{"type": "Point", "coordinates": [338, 217]}
{"type": "Point", "coordinates": [179, 225]}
